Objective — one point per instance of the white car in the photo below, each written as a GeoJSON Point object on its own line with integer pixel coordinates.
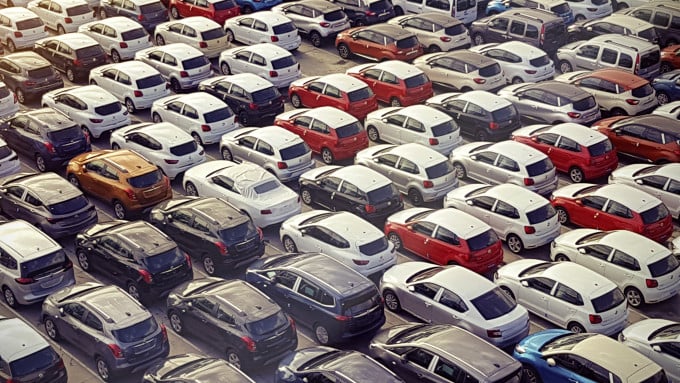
{"type": "Point", "coordinates": [197, 31]}
{"type": "Point", "coordinates": [317, 20]}
{"type": "Point", "coordinates": [9, 161]}
{"type": "Point", "coordinates": [520, 61]}
{"type": "Point", "coordinates": [279, 151]}
{"type": "Point", "coordinates": [247, 186]}
{"type": "Point", "coordinates": [661, 181]}
{"type": "Point", "coordinates": [63, 16]}
{"type": "Point", "coordinates": [93, 108]}
{"type": "Point", "coordinates": [20, 28]}
{"type": "Point", "coordinates": [416, 123]}
{"type": "Point", "coordinates": [180, 64]}
{"type": "Point", "coordinates": [263, 27]}
{"type": "Point", "coordinates": [205, 117]}
{"type": "Point", "coordinates": [643, 269]}
{"type": "Point", "coordinates": [266, 60]}
{"type": "Point", "coordinates": [462, 70]}
{"type": "Point", "coordinates": [135, 84]}
{"type": "Point", "coordinates": [435, 30]}
{"type": "Point", "coordinates": [522, 218]}
{"type": "Point", "coordinates": [658, 340]}
{"type": "Point", "coordinates": [506, 162]}
{"type": "Point", "coordinates": [590, 9]}
{"type": "Point", "coordinates": [672, 110]}
{"type": "Point", "coordinates": [167, 146]}
{"type": "Point", "coordinates": [566, 294]}
{"type": "Point", "coordinates": [9, 104]}
{"type": "Point", "coordinates": [341, 235]}
{"type": "Point", "coordinates": [458, 296]}
{"type": "Point", "coordinates": [119, 36]}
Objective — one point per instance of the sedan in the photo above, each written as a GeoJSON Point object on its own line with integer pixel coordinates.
{"type": "Point", "coordinates": [658, 340]}
{"type": "Point", "coordinates": [667, 86]}
{"type": "Point", "coordinates": [455, 295]}
{"type": "Point", "coordinates": [661, 181]}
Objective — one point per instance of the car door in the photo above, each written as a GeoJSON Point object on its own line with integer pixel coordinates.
{"type": "Point", "coordinates": [404, 170]}
{"type": "Point", "coordinates": [481, 207]}
{"type": "Point", "coordinates": [588, 211]}
{"type": "Point", "coordinates": [22, 135]}
{"type": "Point", "coordinates": [282, 288]}
{"type": "Point", "coordinates": [391, 127]}
{"type": "Point", "coordinates": [595, 257]}
{"type": "Point", "coordinates": [245, 32]}
{"type": "Point", "coordinates": [440, 70]}
{"type": "Point", "coordinates": [667, 356]}
{"type": "Point", "coordinates": [237, 98]}
{"type": "Point", "coordinates": [243, 147]}
{"type": "Point", "coordinates": [568, 368]}
{"type": "Point", "coordinates": [564, 305]}
{"type": "Point", "coordinates": [263, 153]}
{"type": "Point", "coordinates": [420, 299]}
{"type": "Point", "coordinates": [535, 295]}
{"type": "Point", "coordinates": [100, 179]}
{"type": "Point", "coordinates": [385, 164]}
{"type": "Point", "coordinates": [381, 88]}
{"type": "Point", "coordinates": [314, 91]}
{"type": "Point", "coordinates": [71, 322]}
{"type": "Point", "coordinates": [456, 109]}
{"type": "Point", "coordinates": [416, 365]}
{"type": "Point", "coordinates": [622, 269]}
{"type": "Point", "coordinates": [302, 126]}
{"type": "Point", "coordinates": [102, 253]}
{"type": "Point", "coordinates": [628, 138]}
{"type": "Point", "coordinates": [184, 6]}
{"type": "Point", "coordinates": [12, 202]}
{"type": "Point", "coordinates": [506, 170]}
{"type": "Point", "coordinates": [173, 113]}
{"type": "Point", "coordinates": [585, 57]}
{"type": "Point", "coordinates": [178, 226]}
{"type": "Point", "coordinates": [143, 144]}
{"type": "Point", "coordinates": [561, 152]}
{"type": "Point", "coordinates": [417, 236]}
{"type": "Point", "coordinates": [413, 131]}
{"type": "Point", "coordinates": [201, 319]}
{"type": "Point", "coordinates": [615, 216]}
{"type": "Point", "coordinates": [174, 33]}
{"type": "Point", "coordinates": [314, 239]}
{"type": "Point", "coordinates": [497, 31]}
{"type": "Point", "coordinates": [65, 103]}
{"type": "Point", "coordinates": [107, 80]}
{"type": "Point", "coordinates": [366, 42]}
{"type": "Point", "coordinates": [451, 309]}
{"type": "Point", "coordinates": [348, 198]}
{"type": "Point", "coordinates": [326, 188]}
{"type": "Point", "coordinates": [504, 219]}
{"type": "Point", "coordinates": [241, 62]}
{"type": "Point", "coordinates": [155, 59]}
{"type": "Point", "coordinates": [8, 73]}
{"type": "Point", "coordinates": [480, 165]}
{"type": "Point", "coordinates": [316, 135]}
{"type": "Point", "coordinates": [308, 301]}
{"type": "Point", "coordinates": [42, 9]}
{"type": "Point", "coordinates": [656, 186]}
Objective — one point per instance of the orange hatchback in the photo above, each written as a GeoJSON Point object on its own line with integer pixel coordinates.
{"type": "Point", "coordinates": [379, 42]}
{"type": "Point", "coordinates": [127, 180]}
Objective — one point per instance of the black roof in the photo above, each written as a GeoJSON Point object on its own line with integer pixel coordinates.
{"type": "Point", "coordinates": [661, 123]}
{"type": "Point", "coordinates": [144, 236]}
{"type": "Point", "coordinates": [390, 30]}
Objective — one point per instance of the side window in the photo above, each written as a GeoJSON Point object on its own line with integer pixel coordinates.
{"type": "Point", "coordinates": [609, 56]}
{"type": "Point", "coordinates": [75, 310]}
{"type": "Point", "coordinates": [32, 200]}
{"type": "Point", "coordinates": [670, 348]}
{"type": "Point", "coordinates": [420, 357]}
{"type": "Point", "coordinates": [547, 138]}
{"type": "Point", "coordinates": [446, 235]}
{"type": "Point", "coordinates": [625, 61]}
{"type": "Point", "coordinates": [237, 91]}
{"type": "Point", "coordinates": [248, 142]}
{"type": "Point", "coordinates": [674, 187]}
{"type": "Point", "coordinates": [596, 373]}
{"type": "Point", "coordinates": [543, 285]}
{"type": "Point", "coordinates": [316, 87]}
{"type": "Point", "coordinates": [457, 105]}
{"type": "Point", "coordinates": [571, 362]}
{"type": "Point", "coordinates": [93, 322]}
{"type": "Point", "coordinates": [531, 31]}
{"type": "Point", "coordinates": [201, 224]}
{"type": "Point", "coordinates": [568, 294]}
{"type": "Point", "coordinates": [486, 157]}
{"type": "Point", "coordinates": [332, 92]}
{"type": "Point", "coordinates": [303, 121]}
{"type": "Point", "coordinates": [598, 251]}
{"type": "Point", "coordinates": [517, 28]}
{"type": "Point", "coordinates": [373, 74]}
{"type": "Point", "coordinates": [396, 119]}
{"type": "Point", "coordinates": [588, 51]}
{"type": "Point", "coordinates": [169, 60]}
{"type": "Point", "coordinates": [618, 210]}
{"type": "Point", "coordinates": [507, 164]}
{"type": "Point", "coordinates": [499, 24]}
{"type": "Point", "coordinates": [264, 148]}
{"type": "Point", "coordinates": [124, 78]}
{"type": "Point", "coordinates": [205, 305]}
{"type": "Point", "coordinates": [506, 210]}
{"type": "Point", "coordinates": [452, 301]}
{"type": "Point", "coordinates": [182, 216]}
{"type": "Point", "coordinates": [389, 78]}
{"type": "Point", "coordinates": [661, 19]}
{"type": "Point", "coordinates": [16, 191]}
{"type": "Point", "coordinates": [415, 125]}
{"type": "Point", "coordinates": [636, 131]}
{"type": "Point", "coordinates": [594, 202]}
{"type": "Point", "coordinates": [569, 144]}
{"type": "Point", "coordinates": [475, 110]}
{"type": "Point", "coordinates": [653, 135]}
{"type": "Point", "coordinates": [429, 290]}
{"type": "Point", "coordinates": [350, 190]}
{"type": "Point", "coordinates": [642, 14]}
{"type": "Point", "coordinates": [483, 202]}
{"type": "Point", "coordinates": [447, 370]}
{"type": "Point", "coordinates": [258, 60]}
{"type": "Point", "coordinates": [388, 160]}
{"type": "Point", "coordinates": [286, 278]}
{"type": "Point", "coordinates": [7, 260]}
{"type": "Point", "coordinates": [425, 228]}
{"type": "Point", "coordinates": [624, 260]}
{"type": "Point", "coordinates": [331, 182]}
{"type": "Point", "coordinates": [408, 166]}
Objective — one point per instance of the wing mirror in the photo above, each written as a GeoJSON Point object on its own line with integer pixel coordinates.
{"type": "Point", "coordinates": [274, 280]}
{"type": "Point", "coordinates": [551, 362]}
{"type": "Point", "coordinates": [190, 306]}
{"type": "Point", "coordinates": [473, 157]}
{"type": "Point", "coordinates": [639, 182]}
{"type": "Point", "coordinates": [411, 288]}
{"type": "Point", "coordinates": [589, 29]}
{"type": "Point", "coordinates": [303, 232]}
{"type": "Point", "coordinates": [524, 283]}
{"type": "Point", "coordinates": [470, 202]}
{"type": "Point", "coordinates": [579, 202]}
{"type": "Point", "coordinates": [656, 348]}
{"type": "Point", "coordinates": [61, 311]}
{"type": "Point", "coordinates": [582, 250]}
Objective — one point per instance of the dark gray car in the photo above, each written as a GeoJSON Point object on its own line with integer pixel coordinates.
{"type": "Point", "coordinates": [28, 75]}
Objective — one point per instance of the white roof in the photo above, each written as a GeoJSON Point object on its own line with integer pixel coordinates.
{"type": "Point", "coordinates": [671, 170]}
{"type": "Point", "coordinates": [164, 132]}
{"type": "Point", "coordinates": [632, 198]}
{"type": "Point", "coordinates": [425, 114]}
{"type": "Point", "coordinates": [142, 2]}
{"type": "Point", "coordinates": [484, 99]}
{"type": "Point", "coordinates": [629, 22]}
{"type": "Point", "coordinates": [93, 95]}
{"type": "Point", "coordinates": [331, 116]}
{"type": "Point", "coordinates": [134, 69]}
{"type": "Point", "coordinates": [74, 40]}
{"type": "Point", "coordinates": [19, 340]}
{"type": "Point", "coordinates": [267, 17]}
{"type": "Point", "coordinates": [179, 50]}
{"type": "Point", "coordinates": [522, 153]}
{"type": "Point", "coordinates": [638, 246]}
{"type": "Point", "coordinates": [119, 23]}
{"type": "Point", "coordinates": [362, 177]}
{"type": "Point", "coordinates": [273, 135]}
{"type": "Point", "coordinates": [344, 82]}
{"type": "Point", "coordinates": [15, 230]}
{"type": "Point", "coordinates": [420, 154]}
{"type": "Point", "coordinates": [199, 23]}
{"type": "Point", "coordinates": [517, 196]}
{"type": "Point", "coordinates": [462, 281]}
{"type": "Point", "coordinates": [582, 134]}
{"type": "Point", "coordinates": [462, 224]}
{"type": "Point", "coordinates": [18, 13]}
{"type": "Point", "coordinates": [521, 48]}
{"type": "Point", "coordinates": [267, 50]}
{"type": "Point", "coordinates": [247, 174]}
{"type": "Point", "coordinates": [399, 68]}
{"type": "Point", "coordinates": [66, 3]}
{"type": "Point", "coordinates": [352, 227]}
{"type": "Point", "coordinates": [579, 278]}
{"type": "Point", "coordinates": [202, 101]}
{"type": "Point", "coordinates": [248, 81]}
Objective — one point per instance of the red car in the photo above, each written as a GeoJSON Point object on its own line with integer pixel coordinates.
{"type": "Point", "coordinates": [339, 90]}
{"type": "Point", "coordinates": [379, 42]}
{"type": "Point", "coordinates": [334, 134]}
{"type": "Point", "coordinates": [446, 237]}
{"type": "Point", "coordinates": [613, 207]}
{"type": "Point", "coordinates": [577, 150]}
{"type": "Point", "coordinates": [216, 10]}
{"type": "Point", "coordinates": [669, 58]}
{"type": "Point", "coordinates": [395, 82]}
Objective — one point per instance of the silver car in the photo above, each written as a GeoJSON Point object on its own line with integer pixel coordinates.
{"type": "Point", "coordinates": [661, 181]}
{"type": "Point", "coordinates": [421, 173]}
{"type": "Point", "coordinates": [182, 65]}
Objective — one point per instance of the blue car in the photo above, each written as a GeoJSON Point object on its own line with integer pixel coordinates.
{"type": "Point", "coordinates": [667, 86]}
{"type": "Point", "coordinates": [250, 6]}
{"type": "Point", "coordinates": [561, 356]}
{"type": "Point", "coordinates": [495, 7]}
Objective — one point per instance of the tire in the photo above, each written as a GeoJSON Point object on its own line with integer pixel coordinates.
{"type": "Point", "coordinates": [10, 298]}
{"type": "Point", "coordinates": [529, 375]}
{"type": "Point", "coordinates": [209, 265]}
{"type": "Point", "coordinates": [634, 297]}
{"type": "Point", "coordinates": [316, 39]}
{"type": "Point", "coordinates": [565, 66]}
{"type": "Point", "coordinates": [60, 30]}
{"type": "Point", "coordinates": [197, 138]}
{"type": "Point", "coordinates": [230, 36]}
{"type": "Point", "coordinates": [576, 327]}
{"type": "Point", "coordinates": [322, 335]}
{"type": "Point", "coordinates": [115, 56]}
{"type": "Point", "coordinates": [103, 369]}
{"type": "Point", "coordinates": [289, 245]}
{"type": "Point", "coordinates": [562, 216]}
{"type": "Point", "coordinates": [306, 196]}
{"type": "Point", "coordinates": [156, 118]}
{"type": "Point", "coordinates": [115, 146]}
{"type": "Point", "coordinates": [102, 14]}
{"type": "Point", "coordinates": [663, 98]}
{"type": "Point", "coordinates": [478, 39]}
{"type": "Point", "coordinates": [21, 96]}
{"type": "Point", "coordinates": [70, 75]}
{"type": "Point", "coordinates": [514, 243]}
{"type": "Point", "coordinates": [398, 11]}
{"type": "Point", "coordinates": [130, 106]}
{"type": "Point", "coordinates": [415, 197]}
{"type": "Point", "coordinates": [576, 174]}
{"type": "Point", "coordinates": [234, 358]}
{"type": "Point", "coordinates": [175, 322]}
{"type": "Point", "coordinates": [119, 210]}
{"type": "Point", "coordinates": [51, 329]}
{"type": "Point", "coordinates": [621, 6]}
{"type": "Point", "coordinates": [562, 258]}
{"type": "Point", "coordinates": [92, 82]}
{"type": "Point", "coordinates": [243, 118]}
{"type": "Point", "coordinates": [83, 261]}
{"type": "Point", "coordinates": [395, 239]}
{"type": "Point", "coordinates": [224, 68]}
{"type": "Point", "coordinates": [359, 23]}
{"type": "Point", "coordinates": [175, 86]}
{"type": "Point", "coordinates": [327, 156]}
{"type": "Point", "coordinates": [461, 173]}
{"type": "Point", "coordinates": [344, 51]}
{"type": "Point", "coordinates": [73, 180]}
{"type": "Point", "coordinates": [190, 189]}
{"type": "Point", "coordinates": [40, 163]}
{"type": "Point", "coordinates": [174, 12]}
{"type": "Point", "coordinates": [226, 155]}
{"type": "Point", "coordinates": [160, 40]}
{"type": "Point", "coordinates": [433, 49]}
{"type": "Point", "coordinates": [481, 136]}
{"type": "Point", "coordinates": [133, 290]}
{"type": "Point", "coordinates": [517, 80]}
{"type": "Point", "coordinates": [11, 47]}
{"type": "Point", "coordinates": [665, 67]}
{"type": "Point", "coordinates": [579, 18]}
{"type": "Point", "coordinates": [247, 9]}
{"type": "Point", "coordinates": [395, 102]}
{"type": "Point", "coordinates": [618, 112]}
{"type": "Point", "coordinates": [295, 100]}
{"type": "Point", "coordinates": [508, 292]}
{"type": "Point", "coordinates": [373, 133]}
{"type": "Point", "coordinates": [391, 301]}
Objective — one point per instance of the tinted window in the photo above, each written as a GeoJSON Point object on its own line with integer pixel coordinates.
{"type": "Point", "coordinates": [284, 62]}
{"type": "Point", "coordinates": [408, 42]}
{"type": "Point", "coordinates": [382, 194]}
{"type": "Point", "coordinates": [417, 80]}
{"type": "Point", "coordinates": [146, 180]}
{"type": "Point", "coordinates": [151, 8]}
{"type": "Point", "coordinates": [36, 267]}
{"type": "Point", "coordinates": [67, 134]}
{"type": "Point", "coordinates": [137, 331]}
{"type": "Point", "coordinates": [133, 34]}
{"type": "Point", "coordinates": [5, 151]}
{"type": "Point", "coordinates": [374, 247]}
{"type": "Point", "coordinates": [294, 151]}
{"type": "Point", "coordinates": [358, 305]}
{"type": "Point", "coordinates": [218, 115]}
{"type": "Point", "coordinates": [443, 128]}
{"type": "Point", "coordinates": [195, 62]}
{"type": "Point", "coordinates": [184, 149]}
{"type": "Point", "coordinates": [608, 301]}
{"type": "Point", "coordinates": [238, 232]}
{"type": "Point", "coordinates": [655, 214]}
{"type": "Point", "coordinates": [348, 130]}
{"type": "Point", "coordinates": [650, 59]}
{"type": "Point", "coordinates": [585, 103]}
{"type": "Point", "coordinates": [439, 170]}
{"type": "Point", "coordinates": [107, 109]}
{"type": "Point", "coordinates": [265, 95]}
{"type": "Point", "coordinates": [541, 167]}
{"type": "Point", "coordinates": [223, 5]}
{"type": "Point", "coordinates": [41, 72]}
{"type": "Point", "coordinates": [334, 15]}
{"type": "Point", "coordinates": [360, 94]}
{"type": "Point", "coordinates": [151, 81]}
{"type": "Point", "coordinates": [379, 6]}
{"type": "Point", "coordinates": [267, 324]}
{"type": "Point", "coordinates": [561, 8]}
{"type": "Point", "coordinates": [541, 214]}
{"type": "Point", "coordinates": [503, 114]}
{"type": "Point", "coordinates": [68, 206]}
{"type": "Point", "coordinates": [283, 28]}
{"type": "Point", "coordinates": [29, 24]}
{"type": "Point", "coordinates": [663, 266]}
{"type": "Point", "coordinates": [78, 10]}
{"type": "Point", "coordinates": [482, 241]}
{"type": "Point", "coordinates": [493, 304]}
{"type": "Point", "coordinates": [540, 61]}
{"type": "Point", "coordinates": [659, 377]}
{"type": "Point", "coordinates": [642, 91]}
{"type": "Point", "coordinates": [164, 261]}
{"type": "Point", "coordinates": [649, 34]}
{"type": "Point", "coordinates": [266, 187]}
{"type": "Point", "coordinates": [34, 362]}
{"type": "Point", "coordinates": [91, 51]}
{"type": "Point", "coordinates": [600, 148]}
{"type": "Point", "coordinates": [490, 70]}
{"type": "Point", "coordinates": [454, 30]}
{"type": "Point", "coordinates": [212, 34]}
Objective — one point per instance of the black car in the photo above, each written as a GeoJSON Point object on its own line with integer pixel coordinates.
{"type": "Point", "coordinates": [135, 255]}
{"type": "Point", "coordinates": [321, 293]}
{"type": "Point", "coordinates": [210, 229]}
{"type": "Point", "coordinates": [236, 318]}
{"type": "Point", "coordinates": [252, 98]}
{"type": "Point", "coordinates": [479, 114]}
{"type": "Point", "coordinates": [28, 75]}
{"type": "Point", "coordinates": [73, 53]}
{"type": "Point", "coordinates": [325, 364]}
{"type": "Point", "coordinates": [193, 368]}
{"type": "Point", "coordinates": [366, 12]}
{"type": "Point", "coordinates": [46, 136]}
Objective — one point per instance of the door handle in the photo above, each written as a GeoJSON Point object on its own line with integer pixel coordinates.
{"type": "Point", "coordinates": [428, 304]}
{"type": "Point", "coordinates": [596, 215]}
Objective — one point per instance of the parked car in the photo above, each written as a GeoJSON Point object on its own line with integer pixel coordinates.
{"type": "Point", "coordinates": [266, 60]}
{"type": "Point", "coordinates": [366, 12]}
{"type": "Point", "coordinates": [8, 101]}
{"type": "Point", "coordinates": [462, 70]}
{"type": "Point", "coordinates": [520, 62]}
{"type": "Point", "coordinates": [250, 6]}
{"type": "Point", "coordinates": [394, 82]}
{"type": "Point", "coordinates": [560, 8]}
{"type": "Point", "coordinates": [667, 87]}
{"type": "Point", "coordinates": [661, 181]}
{"type": "Point", "coordinates": [216, 10]}
{"type": "Point", "coordinates": [75, 54]}
{"type": "Point", "coordinates": [149, 13]}
{"type": "Point", "coordinates": [20, 28]}
{"type": "Point", "coordinates": [120, 36]}
{"type": "Point", "coordinates": [618, 23]}
{"type": "Point", "coordinates": [670, 110]}
{"type": "Point", "coordinates": [660, 14]}
{"type": "Point", "coordinates": [263, 27]}
{"type": "Point", "coordinates": [316, 19]}
{"type": "Point", "coordinates": [196, 31]}
{"type": "Point", "coordinates": [654, 338]}
{"type": "Point", "coordinates": [61, 16]}
{"type": "Point", "coordinates": [435, 30]}
{"type": "Point", "coordinates": [465, 11]}
{"type": "Point", "coordinates": [183, 66]}
{"type": "Point", "coordinates": [9, 160]}
{"type": "Point", "coordinates": [339, 90]}
{"type": "Point", "coordinates": [28, 75]}
{"type": "Point", "coordinates": [590, 9]}
{"type": "Point", "coordinates": [378, 42]}
{"type": "Point", "coordinates": [670, 59]}
{"type": "Point", "coordinates": [194, 368]}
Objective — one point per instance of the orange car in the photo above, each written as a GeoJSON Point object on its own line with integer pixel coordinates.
{"type": "Point", "coordinates": [127, 180]}
{"type": "Point", "coordinates": [670, 58]}
{"type": "Point", "coordinates": [379, 42]}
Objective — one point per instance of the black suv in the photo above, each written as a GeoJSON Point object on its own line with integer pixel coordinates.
{"type": "Point", "coordinates": [366, 12]}
{"type": "Point", "coordinates": [45, 135]}
{"type": "Point", "coordinates": [210, 229]}
{"type": "Point", "coordinates": [193, 368]}
{"type": "Point", "coordinates": [73, 53]}
{"type": "Point", "coordinates": [135, 255]}
{"type": "Point", "coordinates": [320, 292]}
{"type": "Point", "coordinates": [28, 75]}
{"type": "Point", "coordinates": [248, 326]}
{"type": "Point", "coordinates": [120, 334]}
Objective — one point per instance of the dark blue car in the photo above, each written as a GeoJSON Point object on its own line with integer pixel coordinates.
{"type": "Point", "coordinates": [667, 86]}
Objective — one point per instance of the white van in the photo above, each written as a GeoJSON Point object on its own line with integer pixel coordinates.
{"type": "Point", "coordinates": [463, 10]}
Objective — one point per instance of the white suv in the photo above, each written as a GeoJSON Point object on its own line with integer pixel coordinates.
{"type": "Point", "coordinates": [120, 37]}
{"type": "Point", "coordinates": [182, 65]}
{"type": "Point", "coordinates": [520, 61]}
{"type": "Point", "coordinates": [20, 28]}
{"type": "Point", "coordinates": [263, 27]}
{"type": "Point", "coordinates": [266, 60]}
{"type": "Point", "coordinates": [522, 218]}
{"type": "Point", "coordinates": [198, 31]}
{"type": "Point", "coordinates": [317, 19]}
{"type": "Point", "coordinates": [63, 16]}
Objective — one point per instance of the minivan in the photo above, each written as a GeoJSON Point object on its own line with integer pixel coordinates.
{"type": "Point", "coordinates": [463, 10]}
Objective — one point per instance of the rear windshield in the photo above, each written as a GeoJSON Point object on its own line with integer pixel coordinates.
{"type": "Point", "coordinates": [493, 304]}
{"type": "Point", "coordinates": [642, 91]}
{"type": "Point", "coordinates": [444, 128]}
{"type": "Point", "coordinates": [34, 362]}
{"type": "Point", "coordinates": [133, 34]}
{"type": "Point", "coordinates": [295, 151]}
{"type": "Point", "coordinates": [68, 206]}
{"type": "Point", "coordinates": [372, 248]}
{"type": "Point", "coordinates": [78, 10]}
{"type": "Point", "coordinates": [585, 104]}
{"type": "Point", "coordinates": [146, 180]}
{"type": "Point", "coordinates": [379, 5]}
{"type": "Point", "coordinates": [4, 92]}
{"type": "Point", "coordinates": [482, 241]}
{"type": "Point", "coordinates": [284, 62]}
{"type": "Point", "coordinates": [151, 8]}
{"type": "Point", "coordinates": [608, 301]}
{"type": "Point", "coordinates": [150, 82]}
{"type": "Point", "coordinates": [91, 51]}
{"type": "Point", "coordinates": [283, 28]}
{"type": "Point", "coordinates": [137, 331]}
{"type": "Point", "coordinates": [417, 80]}
{"type": "Point", "coordinates": [382, 194]}
{"type": "Point", "coordinates": [268, 324]}
{"type": "Point", "coordinates": [540, 61]}
{"type": "Point", "coordinates": [195, 62]}
{"type": "Point", "coordinates": [266, 187]}
{"type": "Point", "coordinates": [213, 34]}
{"type": "Point", "coordinates": [360, 94]}
{"type": "Point", "coordinates": [541, 167]}
{"type": "Point", "coordinates": [554, 31]}
{"type": "Point", "coordinates": [650, 59]}
{"type": "Point", "coordinates": [218, 115]}
{"type": "Point", "coordinates": [503, 114]}
{"type": "Point", "coordinates": [439, 170]}
{"type": "Point", "coordinates": [224, 5]}
{"type": "Point", "coordinates": [108, 109]}
{"type": "Point", "coordinates": [41, 72]}
{"type": "Point", "coordinates": [266, 94]}
{"type": "Point", "coordinates": [361, 303]}
{"type": "Point", "coordinates": [238, 232]}
{"type": "Point", "coordinates": [600, 148]}
{"type": "Point", "coordinates": [664, 266]}
{"type": "Point", "coordinates": [561, 9]}
{"type": "Point", "coordinates": [541, 214]}
{"type": "Point", "coordinates": [43, 265]}
{"type": "Point", "coordinates": [599, 2]}
{"type": "Point", "coordinates": [67, 134]}
{"type": "Point", "coordinates": [5, 151]}
{"type": "Point", "coordinates": [490, 70]}
{"type": "Point", "coordinates": [455, 30]}
{"type": "Point", "coordinates": [648, 34]}
{"type": "Point", "coordinates": [334, 15]}
{"type": "Point", "coordinates": [29, 24]}
{"type": "Point", "coordinates": [655, 214]}
{"type": "Point", "coordinates": [408, 42]}
{"type": "Point", "coordinates": [348, 130]}
{"type": "Point", "coordinates": [164, 261]}
{"type": "Point", "coordinates": [184, 149]}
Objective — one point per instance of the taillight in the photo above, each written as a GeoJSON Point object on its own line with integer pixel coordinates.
{"type": "Point", "coordinates": [140, 17]}
{"type": "Point", "coordinates": [252, 106]}
{"type": "Point", "coordinates": [131, 194]}
{"type": "Point", "coordinates": [594, 319]}
{"type": "Point", "coordinates": [68, 264]}
{"type": "Point", "coordinates": [528, 181]}
{"type": "Point", "coordinates": [530, 71]}
{"type": "Point", "coordinates": [637, 63]}
{"type": "Point", "coordinates": [479, 80]}
{"type": "Point", "coordinates": [77, 62]}
{"type": "Point", "coordinates": [188, 258]}
{"type": "Point", "coordinates": [19, 34]}
{"type": "Point", "coordinates": [16, 99]}
{"type": "Point", "coordinates": [282, 165]}
{"type": "Point", "coordinates": [541, 38]}
{"type": "Point", "coordinates": [265, 211]}
{"type": "Point", "coordinates": [651, 283]}
{"type": "Point", "coordinates": [96, 120]}
{"type": "Point", "coordinates": [138, 93]}
{"type": "Point", "coordinates": [68, 20]}
{"type": "Point", "coordinates": [249, 342]}
{"type": "Point", "coordinates": [50, 147]}
{"type": "Point", "coordinates": [24, 281]}
{"type": "Point", "coordinates": [30, 83]}
{"type": "Point", "coordinates": [205, 128]}
{"type": "Point", "coordinates": [183, 74]}
{"type": "Point", "coordinates": [222, 247]}
{"type": "Point", "coordinates": [123, 44]}
{"type": "Point", "coordinates": [632, 101]}
{"type": "Point", "coordinates": [274, 38]}
{"type": "Point", "coordinates": [360, 262]}
{"type": "Point", "coordinates": [273, 73]}
{"type": "Point", "coordinates": [171, 162]}
{"type": "Point", "coordinates": [323, 24]}
{"type": "Point", "coordinates": [445, 39]}
{"type": "Point", "coordinates": [427, 184]}
{"type": "Point", "coordinates": [433, 141]}
{"type": "Point", "coordinates": [529, 229]}
{"type": "Point", "coordinates": [342, 318]}
{"type": "Point", "coordinates": [164, 331]}
{"type": "Point", "coordinates": [202, 44]}
{"type": "Point", "coordinates": [292, 324]}
{"type": "Point", "coordinates": [493, 125]}
{"type": "Point", "coordinates": [494, 333]}
{"type": "Point", "coordinates": [115, 350]}
{"type": "Point", "coordinates": [573, 114]}
{"type": "Point", "coordinates": [146, 276]}
{"type": "Point", "coordinates": [369, 208]}
{"type": "Point", "coordinates": [260, 233]}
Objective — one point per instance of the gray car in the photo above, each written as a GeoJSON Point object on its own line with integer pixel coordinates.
{"type": "Point", "coordinates": [423, 174]}
{"type": "Point", "coordinates": [182, 65]}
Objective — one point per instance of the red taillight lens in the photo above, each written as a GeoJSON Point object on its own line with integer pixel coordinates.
{"type": "Point", "coordinates": [250, 343]}
{"type": "Point", "coordinates": [171, 162]}
{"type": "Point", "coordinates": [494, 333]}
{"type": "Point", "coordinates": [183, 74]}
{"type": "Point", "coordinates": [202, 44]}
{"type": "Point", "coordinates": [96, 120]}
{"type": "Point", "coordinates": [433, 141]}
{"type": "Point", "coordinates": [632, 101]}
{"type": "Point", "coordinates": [273, 73]}
{"type": "Point", "coordinates": [360, 262]}
{"type": "Point", "coordinates": [445, 39]}
{"type": "Point", "coordinates": [478, 80]}
{"type": "Point", "coordinates": [594, 319]}
{"type": "Point", "coordinates": [529, 230]}
{"type": "Point", "coordinates": [281, 165]}
{"type": "Point", "coordinates": [265, 211]}
{"type": "Point", "coordinates": [50, 147]}
{"type": "Point", "coordinates": [574, 114]}
{"type": "Point", "coordinates": [24, 281]}
{"type": "Point", "coordinates": [493, 125]}
{"type": "Point", "coordinates": [115, 350]}
{"type": "Point", "coordinates": [68, 20]}
{"type": "Point", "coordinates": [164, 331]}
{"type": "Point", "coordinates": [30, 83]}
{"type": "Point", "coordinates": [274, 38]}
{"type": "Point", "coordinates": [138, 93]}
{"type": "Point", "coordinates": [342, 318]}
{"type": "Point", "coordinates": [146, 276]}
{"type": "Point", "coordinates": [19, 34]}
{"type": "Point", "coordinates": [131, 194]}
{"type": "Point", "coordinates": [205, 128]}
{"type": "Point", "coordinates": [325, 24]}
{"type": "Point", "coordinates": [651, 283]}
{"type": "Point", "coordinates": [252, 106]}
{"type": "Point", "coordinates": [369, 208]}
{"type": "Point", "coordinates": [530, 71]}
{"type": "Point", "coordinates": [292, 324]}
{"type": "Point", "coordinates": [222, 248]}
{"type": "Point", "coordinates": [77, 62]}
{"type": "Point", "coordinates": [140, 17]}
{"type": "Point", "coordinates": [528, 181]}
{"type": "Point", "coordinates": [427, 184]}
{"type": "Point", "coordinates": [260, 233]}
{"type": "Point", "coordinates": [369, 13]}
{"type": "Point", "coordinates": [188, 258]}
{"type": "Point", "coordinates": [123, 44]}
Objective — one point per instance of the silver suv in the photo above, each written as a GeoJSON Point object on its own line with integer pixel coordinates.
{"type": "Point", "coordinates": [107, 323]}
{"type": "Point", "coordinates": [317, 19]}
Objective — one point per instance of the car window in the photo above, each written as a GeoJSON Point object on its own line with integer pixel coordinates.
{"type": "Point", "coordinates": [414, 125]}
{"type": "Point", "coordinates": [624, 260]}
{"type": "Point", "coordinates": [568, 294]}
{"type": "Point", "coordinates": [425, 228]}
{"type": "Point", "coordinates": [483, 202]}
{"type": "Point", "coordinates": [569, 144]}
{"type": "Point", "coordinates": [408, 166]}
{"type": "Point", "coordinates": [7, 260]}
{"type": "Point", "coordinates": [388, 160]}
{"type": "Point", "coordinates": [425, 289]}
{"type": "Point", "coordinates": [541, 284]}
{"type": "Point", "coordinates": [316, 87]}
{"type": "Point", "coordinates": [547, 138]}
{"type": "Point", "coordinates": [248, 142]}
{"type": "Point", "coordinates": [517, 27]}
{"type": "Point", "coordinates": [588, 51]}
{"type": "Point", "coordinates": [420, 357]}
{"type": "Point", "coordinates": [653, 135]}
{"type": "Point", "coordinates": [319, 126]}
{"type": "Point", "coordinates": [594, 202]}
{"type": "Point", "coordinates": [332, 91]}
{"type": "Point", "coordinates": [507, 164]}
{"type": "Point", "coordinates": [396, 119]}
{"type": "Point", "coordinates": [350, 190]}
{"type": "Point", "coordinates": [609, 56]}
{"type": "Point", "coordinates": [618, 210]}
{"type": "Point", "coordinates": [331, 182]}
{"type": "Point", "coordinates": [507, 210]}
{"type": "Point", "coordinates": [286, 278]}
{"type": "Point", "coordinates": [598, 251]}
{"type": "Point", "coordinates": [674, 187]}
{"type": "Point", "coordinates": [573, 363]}
{"type": "Point", "coordinates": [264, 148]}
{"type": "Point", "coordinates": [499, 24]}
{"type": "Point", "coordinates": [452, 301]}
{"type": "Point", "coordinates": [486, 157]}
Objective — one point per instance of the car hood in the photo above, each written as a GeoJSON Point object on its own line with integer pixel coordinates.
{"type": "Point", "coordinates": [291, 113]}
{"type": "Point", "coordinates": [440, 98]}
{"type": "Point", "coordinates": [401, 216]}
{"type": "Point", "coordinates": [641, 330]}
{"type": "Point", "coordinates": [398, 274]}
{"type": "Point", "coordinates": [513, 269]}
{"type": "Point", "coordinates": [378, 114]}
{"type": "Point", "coordinates": [316, 172]}
{"type": "Point", "coordinates": [367, 154]}
{"type": "Point", "coordinates": [535, 341]}
{"type": "Point", "coordinates": [628, 171]}
{"type": "Point", "coordinates": [570, 190]}
{"type": "Point", "coordinates": [570, 237]}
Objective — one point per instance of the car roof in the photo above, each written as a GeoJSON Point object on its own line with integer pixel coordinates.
{"type": "Point", "coordinates": [469, 57]}
{"type": "Point", "coordinates": [344, 82]}
{"type": "Point", "coordinates": [633, 198]}
{"type": "Point", "coordinates": [114, 305]}
{"type": "Point", "coordinates": [127, 161]}
{"type": "Point", "coordinates": [557, 87]}
{"type": "Point", "coordinates": [331, 116]}
{"type": "Point", "coordinates": [521, 48]}
{"type": "Point", "coordinates": [276, 136]}
{"type": "Point", "coordinates": [599, 350]}
{"type": "Point", "coordinates": [250, 82]}
{"type": "Point", "coordinates": [627, 21]}
{"type": "Point", "coordinates": [267, 17]}
{"type": "Point", "coordinates": [121, 23]}
{"type": "Point", "coordinates": [18, 13]}
{"type": "Point", "coordinates": [18, 339]}
{"type": "Point", "coordinates": [516, 196]}
{"type": "Point", "coordinates": [345, 223]}
{"type": "Point", "coordinates": [625, 40]}
{"type": "Point", "coordinates": [661, 123]}
{"type": "Point", "coordinates": [640, 247]}
{"type": "Point", "coordinates": [425, 114]}
{"type": "Point", "coordinates": [166, 132]}
{"type": "Point", "coordinates": [462, 281]}
{"type": "Point", "coordinates": [583, 135]}
{"type": "Point", "coordinates": [578, 277]}
{"type": "Point", "coordinates": [69, 2]}
{"type": "Point", "coordinates": [522, 153]}
{"type": "Point", "coordinates": [398, 68]}
{"type": "Point", "coordinates": [362, 177]}
{"type": "Point", "coordinates": [94, 94]}
{"type": "Point", "coordinates": [51, 119]}
{"type": "Point", "coordinates": [142, 2]}
{"type": "Point", "coordinates": [75, 40]}
{"type": "Point", "coordinates": [144, 236]}
{"type": "Point", "coordinates": [252, 304]}
{"type": "Point", "coordinates": [462, 224]}
{"type": "Point", "coordinates": [390, 30]}
{"type": "Point", "coordinates": [618, 76]}
{"type": "Point", "coordinates": [267, 50]}
{"type": "Point", "coordinates": [419, 154]}
{"type": "Point", "coordinates": [14, 234]}
{"type": "Point", "coordinates": [437, 17]}
{"type": "Point", "coordinates": [485, 99]}
{"type": "Point", "coordinates": [133, 68]}
{"type": "Point", "coordinates": [204, 102]}
{"type": "Point", "coordinates": [51, 187]}
{"type": "Point", "coordinates": [177, 49]}
{"type": "Point", "coordinates": [341, 279]}
{"type": "Point", "coordinates": [320, 5]}
{"type": "Point", "coordinates": [28, 60]}
{"type": "Point", "coordinates": [200, 23]}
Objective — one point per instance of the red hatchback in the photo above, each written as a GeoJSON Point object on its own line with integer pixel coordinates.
{"type": "Point", "coordinates": [577, 150]}
{"type": "Point", "coordinates": [334, 134]}
{"type": "Point", "coordinates": [216, 10]}
{"type": "Point", "coordinates": [613, 207]}
{"type": "Point", "coordinates": [446, 237]}
{"type": "Point", "coordinates": [395, 82]}
{"type": "Point", "coordinates": [339, 90]}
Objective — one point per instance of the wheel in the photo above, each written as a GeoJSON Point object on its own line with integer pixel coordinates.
{"type": "Point", "coordinates": [40, 163]}
{"type": "Point", "coordinates": [86, 132]}
{"type": "Point", "coordinates": [433, 49]}
{"type": "Point", "coordinates": [618, 112]}
{"type": "Point", "coordinates": [176, 322]}
{"type": "Point", "coordinates": [160, 40]}
{"type": "Point", "coordinates": [373, 133]}
{"type": "Point", "coordinates": [306, 196]}
{"type": "Point", "coordinates": [517, 80]}
{"type": "Point", "coordinates": [529, 375]}
{"type": "Point", "coordinates": [175, 86]}
{"type": "Point", "coordinates": [73, 180]}
{"type": "Point", "coordinates": [92, 82]}
{"type": "Point", "coordinates": [515, 243]}
{"type": "Point", "coordinates": [579, 18]}
{"type": "Point", "coordinates": [115, 146]}
{"type": "Point", "coordinates": [398, 11]}
{"type": "Point", "coordinates": [243, 118]}
{"type": "Point", "coordinates": [395, 239]}
{"type": "Point", "coordinates": [224, 67]}
{"type": "Point", "coordinates": [576, 174]}
{"type": "Point", "coordinates": [663, 98]}
{"type": "Point", "coordinates": [102, 14]}
{"type": "Point", "coordinates": [233, 357]}
{"type": "Point", "coordinates": [562, 216]}
{"type": "Point", "coordinates": [665, 67]}
{"type": "Point", "coordinates": [230, 36]}
{"type": "Point", "coordinates": [226, 155]}
{"type": "Point", "coordinates": [359, 23]}
{"type": "Point", "coordinates": [315, 38]}
{"type": "Point", "coordinates": [562, 258]}
{"type": "Point", "coordinates": [295, 100]}
{"type": "Point", "coordinates": [115, 56]}
{"type": "Point", "coordinates": [508, 292]}
{"type": "Point", "coordinates": [197, 138]}
{"type": "Point", "coordinates": [70, 75]}
{"type": "Point", "coordinates": [576, 328]}
{"type": "Point", "coordinates": [60, 30]}
{"type": "Point", "coordinates": [103, 369]}
{"type": "Point", "coordinates": [327, 156]}
{"type": "Point", "coordinates": [133, 290]}
{"type": "Point", "coordinates": [83, 260]}
{"type": "Point", "coordinates": [321, 334]}
{"type": "Point", "coordinates": [565, 66]}
{"type": "Point", "coordinates": [634, 297]}
{"type": "Point", "coordinates": [415, 197]}
{"type": "Point", "coordinates": [156, 118]}
{"type": "Point", "coordinates": [289, 245]}
{"type": "Point", "coordinates": [21, 96]}
{"type": "Point", "coordinates": [11, 47]}
{"type": "Point", "coordinates": [190, 189]}
{"type": "Point", "coordinates": [51, 329]}
{"type": "Point", "coordinates": [10, 299]}
{"type": "Point", "coordinates": [466, 89]}
{"type": "Point", "coordinates": [395, 102]}
{"type": "Point", "coordinates": [621, 6]}
{"type": "Point", "coordinates": [478, 39]}
{"type": "Point", "coordinates": [247, 9]}
{"type": "Point", "coordinates": [481, 136]}
{"type": "Point", "coordinates": [130, 106]}
{"type": "Point", "coordinates": [174, 13]}
{"type": "Point", "coordinates": [344, 52]}
{"type": "Point", "coordinates": [209, 265]}
{"type": "Point", "coordinates": [391, 301]}
{"type": "Point", "coordinates": [461, 173]}
{"type": "Point", "coordinates": [119, 210]}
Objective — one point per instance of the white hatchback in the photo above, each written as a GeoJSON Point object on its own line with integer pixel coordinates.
{"type": "Point", "coordinates": [263, 27]}
{"type": "Point", "coordinates": [120, 37]}
{"type": "Point", "coordinates": [661, 181]}
{"type": "Point", "coordinates": [180, 64]}
{"type": "Point", "coordinates": [197, 31]}
{"type": "Point", "coordinates": [63, 16]}
{"type": "Point", "coordinates": [202, 115]}
{"type": "Point", "coordinates": [435, 30]}
{"type": "Point", "coordinates": [20, 28]}
{"type": "Point", "coordinates": [9, 160]}
{"type": "Point", "coordinates": [590, 9]}
{"type": "Point", "coordinates": [9, 104]}
{"type": "Point", "coordinates": [520, 61]}
{"type": "Point", "coordinates": [266, 60]}
{"type": "Point", "coordinates": [658, 340]}
{"type": "Point", "coordinates": [341, 235]}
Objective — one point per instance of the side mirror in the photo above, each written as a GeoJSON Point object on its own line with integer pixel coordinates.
{"type": "Point", "coordinates": [274, 280]}
{"type": "Point", "coordinates": [127, 138]}
{"type": "Point", "coordinates": [190, 306]}
{"type": "Point", "coordinates": [534, 139]}
{"type": "Point", "coordinates": [582, 250]}
{"type": "Point", "coordinates": [411, 288]}
{"type": "Point", "coordinates": [168, 218]}
{"type": "Point", "coordinates": [303, 232]}
{"type": "Point", "coordinates": [639, 182]}
{"type": "Point", "coordinates": [550, 362]}
{"type": "Point", "coordinates": [3, 190]}
{"type": "Point", "coordinates": [61, 312]}
{"type": "Point", "coordinates": [473, 157]}
{"type": "Point", "coordinates": [656, 348]}
{"type": "Point", "coordinates": [470, 202]}
{"type": "Point", "coordinates": [409, 227]}
{"type": "Point", "coordinates": [589, 29]}
{"type": "Point", "coordinates": [524, 283]}
{"type": "Point", "coordinates": [618, 132]}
